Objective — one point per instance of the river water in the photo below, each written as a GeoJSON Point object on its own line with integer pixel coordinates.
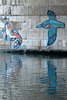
{"type": "Point", "coordinates": [25, 77]}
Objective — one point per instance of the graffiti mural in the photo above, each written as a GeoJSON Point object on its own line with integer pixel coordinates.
{"type": "Point", "coordinates": [11, 35]}
{"type": "Point", "coordinates": [52, 25]}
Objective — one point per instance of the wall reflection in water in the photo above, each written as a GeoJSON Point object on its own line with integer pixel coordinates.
{"type": "Point", "coordinates": [10, 70]}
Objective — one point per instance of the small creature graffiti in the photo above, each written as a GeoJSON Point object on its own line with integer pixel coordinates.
{"type": "Point", "coordinates": [12, 35]}
{"type": "Point", "coordinates": [52, 25]}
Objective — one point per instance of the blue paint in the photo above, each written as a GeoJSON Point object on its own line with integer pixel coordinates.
{"type": "Point", "coordinates": [52, 25]}
{"type": "Point", "coordinates": [12, 35]}
{"type": "Point", "coordinates": [52, 78]}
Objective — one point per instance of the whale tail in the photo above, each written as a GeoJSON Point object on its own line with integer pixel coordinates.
{"type": "Point", "coordinates": [51, 40]}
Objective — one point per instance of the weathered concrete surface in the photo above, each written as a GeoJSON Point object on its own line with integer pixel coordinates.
{"type": "Point", "coordinates": [26, 14]}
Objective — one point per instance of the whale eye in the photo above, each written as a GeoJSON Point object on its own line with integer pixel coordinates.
{"type": "Point", "coordinates": [48, 26]}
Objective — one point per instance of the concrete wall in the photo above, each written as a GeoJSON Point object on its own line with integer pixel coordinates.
{"type": "Point", "coordinates": [26, 14]}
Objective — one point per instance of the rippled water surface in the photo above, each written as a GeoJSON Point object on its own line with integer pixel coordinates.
{"type": "Point", "coordinates": [32, 77]}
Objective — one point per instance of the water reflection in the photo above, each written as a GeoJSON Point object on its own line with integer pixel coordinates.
{"type": "Point", "coordinates": [52, 78]}
{"type": "Point", "coordinates": [13, 68]}
{"type": "Point", "coordinates": [23, 77]}
{"type": "Point", "coordinates": [10, 72]}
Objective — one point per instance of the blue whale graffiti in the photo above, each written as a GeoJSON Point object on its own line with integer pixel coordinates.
{"type": "Point", "coordinates": [52, 25]}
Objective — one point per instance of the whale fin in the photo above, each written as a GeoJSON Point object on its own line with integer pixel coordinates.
{"type": "Point", "coordinates": [51, 38]}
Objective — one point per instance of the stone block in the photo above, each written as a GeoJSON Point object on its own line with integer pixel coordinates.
{"type": "Point", "coordinates": [33, 20]}
{"type": "Point", "coordinates": [4, 2]}
{"type": "Point", "coordinates": [0, 2]}
{"type": "Point", "coordinates": [61, 18]}
{"type": "Point", "coordinates": [33, 48]}
{"type": "Point", "coordinates": [33, 35]}
{"type": "Point", "coordinates": [13, 2]}
{"type": "Point", "coordinates": [37, 10]}
{"type": "Point", "coordinates": [36, 43]}
{"type": "Point", "coordinates": [61, 2]}
{"type": "Point", "coordinates": [17, 2]}
{"type": "Point", "coordinates": [13, 18]}
{"type": "Point", "coordinates": [64, 43]}
{"type": "Point", "coordinates": [23, 34]}
{"type": "Point", "coordinates": [45, 34]}
{"type": "Point", "coordinates": [27, 43]}
{"type": "Point", "coordinates": [8, 2]}
{"type": "Point", "coordinates": [43, 43]}
{"type": "Point", "coordinates": [43, 48]}
{"type": "Point", "coordinates": [34, 2]}
{"type": "Point", "coordinates": [20, 19]}
{"type": "Point", "coordinates": [43, 18]}
{"type": "Point", "coordinates": [26, 25]}
{"type": "Point", "coordinates": [16, 25]}
{"type": "Point", "coordinates": [7, 10]}
{"type": "Point", "coordinates": [60, 34]}
{"type": "Point", "coordinates": [38, 2]}
{"type": "Point", "coordinates": [1, 10]}
{"type": "Point", "coordinates": [41, 34]}
{"type": "Point", "coordinates": [66, 19]}
{"type": "Point", "coordinates": [60, 44]}
{"type": "Point", "coordinates": [2, 42]}
{"type": "Point", "coordinates": [52, 2]}
{"type": "Point", "coordinates": [1, 24]}
{"type": "Point", "coordinates": [20, 2]}
{"type": "Point", "coordinates": [19, 10]}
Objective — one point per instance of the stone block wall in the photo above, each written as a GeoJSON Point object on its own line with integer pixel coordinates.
{"type": "Point", "coordinates": [24, 15]}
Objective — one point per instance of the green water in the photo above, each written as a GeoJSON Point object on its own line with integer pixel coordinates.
{"type": "Point", "coordinates": [25, 77]}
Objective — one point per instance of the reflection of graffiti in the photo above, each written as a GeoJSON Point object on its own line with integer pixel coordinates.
{"type": "Point", "coordinates": [10, 71]}
{"type": "Point", "coordinates": [52, 78]}
{"type": "Point", "coordinates": [12, 68]}
{"type": "Point", "coordinates": [52, 25]}
{"type": "Point", "coordinates": [12, 35]}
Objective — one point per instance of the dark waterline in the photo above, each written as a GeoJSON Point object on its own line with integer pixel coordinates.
{"type": "Point", "coordinates": [32, 77]}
